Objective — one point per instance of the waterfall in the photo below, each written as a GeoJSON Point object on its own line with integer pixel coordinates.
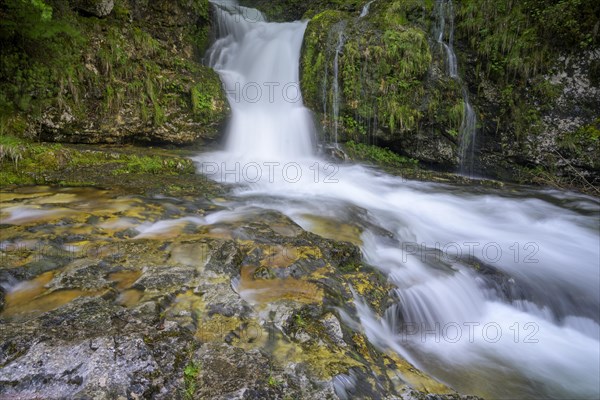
{"type": "Point", "coordinates": [497, 292]}
{"type": "Point", "coordinates": [258, 63]}
{"type": "Point", "coordinates": [468, 128]}
{"type": "Point", "coordinates": [468, 134]}
{"type": "Point", "coordinates": [365, 9]}
{"type": "Point", "coordinates": [336, 85]}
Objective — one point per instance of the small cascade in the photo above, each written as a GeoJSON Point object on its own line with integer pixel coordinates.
{"type": "Point", "coordinates": [336, 86]}
{"type": "Point", "coordinates": [468, 127]}
{"type": "Point", "coordinates": [468, 132]}
{"type": "Point", "coordinates": [365, 10]}
{"type": "Point", "coordinates": [336, 95]}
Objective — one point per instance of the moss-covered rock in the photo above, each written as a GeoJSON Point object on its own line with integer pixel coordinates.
{"type": "Point", "coordinates": [390, 89]}
{"type": "Point", "coordinates": [132, 168]}
{"type": "Point", "coordinates": [132, 77]}
{"type": "Point", "coordinates": [533, 65]}
{"type": "Point", "coordinates": [532, 93]}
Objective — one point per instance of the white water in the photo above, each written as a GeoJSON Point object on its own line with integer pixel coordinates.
{"type": "Point", "coordinates": [542, 245]}
{"type": "Point", "coordinates": [336, 85]}
{"type": "Point", "coordinates": [468, 127]}
{"type": "Point", "coordinates": [267, 111]}
{"type": "Point", "coordinates": [365, 9]}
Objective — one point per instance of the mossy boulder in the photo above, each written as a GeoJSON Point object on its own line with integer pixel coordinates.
{"type": "Point", "coordinates": [134, 76]}
{"type": "Point", "coordinates": [389, 88]}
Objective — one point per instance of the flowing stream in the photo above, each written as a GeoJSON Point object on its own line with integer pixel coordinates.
{"type": "Point", "coordinates": [497, 289]}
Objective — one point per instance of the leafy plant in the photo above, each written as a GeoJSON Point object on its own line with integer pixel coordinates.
{"type": "Point", "coordinates": [190, 378]}
{"type": "Point", "coordinates": [378, 155]}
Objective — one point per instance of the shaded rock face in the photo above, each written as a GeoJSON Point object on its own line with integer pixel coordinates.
{"type": "Point", "coordinates": [167, 307]}
{"type": "Point", "coordinates": [99, 8]}
{"type": "Point", "coordinates": [564, 141]}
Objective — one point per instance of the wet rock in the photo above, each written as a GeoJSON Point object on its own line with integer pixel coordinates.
{"type": "Point", "coordinates": [164, 278]}
{"type": "Point", "coordinates": [110, 367]}
{"type": "Point", "coordinates": [251, 317]}
{"type": "Point", "coordinates": [33, 269]}
{"type": "Point", "coordinates": [99, 8]}
{"type": "Point", "coordinates": [83, 318]}
{"type": "Point", "coordinates": [222, 299]}
{"type": "Point", "coordinates": [225, 259]}
{"type": "Point", "coordinates": [333, 329]}
{"type": "Point", "coordinates": [82, 275]}
{"type": "Point", "coordinates": [228, 372]}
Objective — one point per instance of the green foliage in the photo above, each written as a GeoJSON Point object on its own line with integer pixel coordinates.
{"type": "Point", "coordinates": [206, 98]}
{"type": "Point", "coordinates": [399, 61]}
{"type": "Point", "coordinates": [382, 67]}
{"type": "Point", "coordinates": [299, 321]}
{"type": "Point", "coordinates": [378, 155]}
{"type": "Point", "coordinates": [190, 378]}
{"type": "Point", "coordinates": [517, 41]}
{"type": "Point", "coordinates": [581, 140]}
{"type": "Point", "coordinates": [37, 54]}
{"type": "Point", "coordinates": [566, 24]}
{"type": "Point", "coordinates": [200, 7]}
{"type": "Point", "coordinates": [25, 162]}
{"type": "Point", "coordinates": [99, 70]}
{"type": "Point", "coordinates": [405, 12]}
{"type": "Point", "coordinates": [274, 382]}
{"type": "Point", "coordinates": [28, 20]}
{"type": "Point", "coordinates": [520, 38]}
{"type": "Point", "coordinates": [502, 33]}
{"type": "Point", "coordinates": [315, 56]}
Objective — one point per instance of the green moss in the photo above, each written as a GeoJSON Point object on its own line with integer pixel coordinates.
{"type": "Point", "coordinates": [383, 70]}
{"type": "Point", "coordinates": [582, 140]}
{"type": "Point", "coordinates": [25, 162]}
{"type": "Point", "coordinates": [191, 372]}
{"type": "Point", "coordinates": [207, 100]}
{"type": "Point", "coordinates": [315, 60]}
{"type": "Point", "coordinates": [516, 42]}
{"type": "Point", "coordinates": [104, 71]}
{"type": "Point", "coordinates": [378, 155]}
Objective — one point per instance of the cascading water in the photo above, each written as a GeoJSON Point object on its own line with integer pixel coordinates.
{"type": "Point", "coordinates": [497, 290]}
{"type": "Point", "coordinates": [445, 7]}
{"type": "Point", "coordinates": [268, 119]}
{"type": "Point", "coordinates": [468, 127]}
{"type": "Point", "coordinates": [365, 9]}
{"type": "Point", "coordinates": [336, 85]}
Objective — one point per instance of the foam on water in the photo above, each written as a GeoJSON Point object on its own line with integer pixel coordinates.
{"type": "Point", "coordinates": [526, 262]}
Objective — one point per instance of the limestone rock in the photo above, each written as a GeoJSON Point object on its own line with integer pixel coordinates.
{"type": "Point", "coordinates": [99, 8]}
